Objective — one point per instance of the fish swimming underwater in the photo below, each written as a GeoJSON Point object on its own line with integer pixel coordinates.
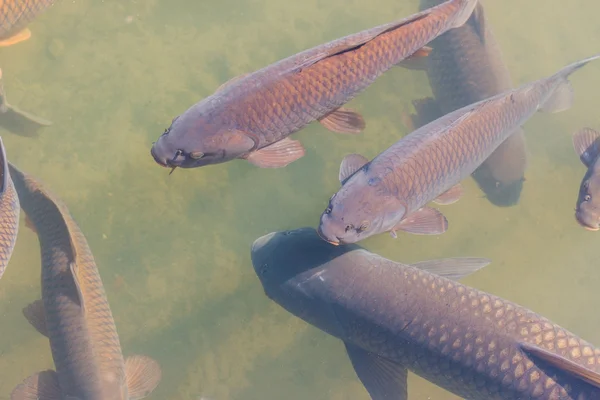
{"type": "Point", "coordinates": [587, 146]}
{"type": "Point", "coordinates": [9, 212]}
{"type": "Point", "coordinates": [390, 192]}
{"type": "Point", "coordinates": [251, 116]}
{"type": "Point", "coordinates": [394, 317]}
{"type": "Point", "coordinates": [15, 15]}
{"type": "Point", "coordinates": [18, 121]}
{"type": "Point", "coordinates": [466, 66]}
{"type": "Point", "coordinates": [74, 313]}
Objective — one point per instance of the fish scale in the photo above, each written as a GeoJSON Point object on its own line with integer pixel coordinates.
{"type": "Point", "coordinates": [471, 343]}
{"type": "Point", "coordinates": [432, 160]}
{"type": "Point", "coordinates": [9, 213]}
{"type": "Point", "coordinates": [272, 103]}
{"type": "Point", "coordinates": [85, 345]}
{"type": "Point", "coordinates": [15, 15]}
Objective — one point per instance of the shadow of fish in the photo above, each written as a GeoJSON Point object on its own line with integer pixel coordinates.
{"type": "Point", "coordinates": [465, 66]}
{"type": "Point", "coordinates": [18, 121]}
{"type": "Point", "coordinates": [390, 192]}
{"type": "Point", "coordinates": [9, 212]}
{"type": "Point", "coordinates": [15, 15]}
{"type": "Point", "coordinates": [394, 317]}
{"type": "Point", "coordinates": [74, 313]}
{"type": "Point", "coordinates": [251, 116]}
{"type": "Point", "coordinates": [587, 146]}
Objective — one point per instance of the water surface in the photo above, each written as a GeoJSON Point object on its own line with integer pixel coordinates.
{"type": "Point", "coordinates": [173, 252]}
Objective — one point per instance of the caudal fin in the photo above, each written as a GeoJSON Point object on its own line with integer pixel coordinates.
{"type": "Point", "coordinates": [467, 8]}
{"type": "Point", "coordinates": [562, 97]}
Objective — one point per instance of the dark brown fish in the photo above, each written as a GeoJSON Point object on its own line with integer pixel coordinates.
{"type": "Point", "coordinates": [466, 66]}
{"type": "Point", "coordinates": [15, 15]}
{"type": "Point", "coordinates": [587, 146]}
{"type": "Point", "coordinates": [390, 193]}
{"type": "Point", "coordinates": [251, 117]}
{"type": "Point", "coordinates": [74, 313]}
{"type": "Point", "coordinates": [394, 317]}
{"type": "Point", "coordinates": [18, 121]}
{"type": "Point", "coordinates": [9, 212]}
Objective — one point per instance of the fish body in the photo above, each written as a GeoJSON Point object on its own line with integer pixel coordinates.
{"type": "Point", "coordinates": [15, 15]}
{"type": "Point", "coordinates": [394, 317]}
{"type": "Point", "coordinates": [74, 312]}
{"type": "Point", "coordinates": [390, 192]}
{"type": "Point", "coordinates": [587, 146]}
{"type": "Point", "coordinates": [466, 66]}
{"type": "Point", "coordinates": [9, 212]}
{"type": "Point", "coordinates": [251, 116]}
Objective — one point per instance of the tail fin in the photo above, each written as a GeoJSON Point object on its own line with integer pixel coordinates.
{"type": "Point", "coordinates": [466, 9]}
{"type": "Point", "coordinates": [562, 97]}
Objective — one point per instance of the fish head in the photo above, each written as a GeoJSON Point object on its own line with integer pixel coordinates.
{"type": "Point", "coordinates": [360, 209]}
{"type": "Point", "coordinates": [194, 141]}
{"type": "Point", "coordinates": [295, 268]}
{"type": "Point", "coordinates": [284, 255]}
{"type": "Point", "coordinates": [587, 211]}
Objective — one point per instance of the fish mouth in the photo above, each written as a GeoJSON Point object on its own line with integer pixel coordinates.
{"type": "Point", "coordinates": [160, 161]}
{"type": "Point", "coordinates": [584, 224]}
{"type": "Point", "coordinates": [325, 238]}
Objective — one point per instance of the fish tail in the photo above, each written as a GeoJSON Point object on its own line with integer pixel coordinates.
{"type": "Point", "coordinates": [562, 95]}
{"type": "Point", "coordinates": [569, 69]}
{"type": "Point", "coordinates": [466, 8]}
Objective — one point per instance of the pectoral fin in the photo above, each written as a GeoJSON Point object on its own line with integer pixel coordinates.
{"type": "Point", "coordinates": [426, 110]}
{"type": "Point", "coordinates": [561, 99]}
{"type": "Point", "coordinates": [451, 196]}
{"type": "Point", "coordinates": [16, 38]}
{"type": "Point", "coordinates": [30, 224]}
{"type": "Point", "coordinates": [41, 386]}
{"type": "Point", "coordinates": [578, 371]}
{"type": "Point", "coordinates": [343, 120]}
{"type": "Point", "coordinates": [383, 379]}
{"type": "Point", "coordinates": [587, 145]}
{"type": "Point", "coordinates": [18, 121]}
{"type": "Point", "coordinates": [453, 268]}
{"type": "Point", "coordinates": [416, 61]}
{"type": "Point", "coordinates": [425, 221]}
{"type": "Point", "coordinates": [350, 164]}
{"type": "Point", "coordinates": [142, 374]}
{"type": "Point", "coordinates": [278, 154]}
{"type": "Point", "coordinates": [36, 315]}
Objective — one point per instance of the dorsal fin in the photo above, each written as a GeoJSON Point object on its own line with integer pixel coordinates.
{"type": "Point", "coordinates": [355, 41]}
{"type": "Point", "coordinates": [4, 169]}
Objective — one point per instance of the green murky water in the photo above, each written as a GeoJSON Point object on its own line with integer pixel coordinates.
{"type": "Point", "coordinates": [173, 252]}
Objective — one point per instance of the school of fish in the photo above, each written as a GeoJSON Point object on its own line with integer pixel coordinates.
{"type": "Point", "coordinates": [392, 317]}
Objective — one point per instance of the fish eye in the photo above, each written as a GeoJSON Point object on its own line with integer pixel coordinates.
{"type": "Point", "coordinates": [196, 155]}
{"type": "Point", "coordinates": [587, 197]}
{"type": "Point", "coordinates": [364, 226]}
{"type": "Point", "coordinates": [348, 227]}
{"type": "Point", "coordinates": [177, 154]}
{"type": "Point", "coordinates": [328, 210]}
